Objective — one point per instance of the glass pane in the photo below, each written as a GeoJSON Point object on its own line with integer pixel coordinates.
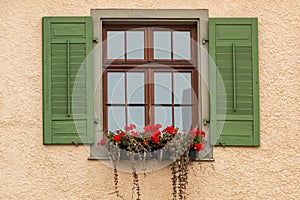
{"type": "Point", "coordinates": [136, 115]}
{"type": "Point", "coordinates": [163, 116]}
{"type": "Point", "coordinates": [116, 118]}
{"type": "Point", "coordinates": [162, 44]}
{"type": "Point", "coordinates": [135, 87]}
{"type": "Point", "coordinates": [162, 88]}
{"type": "Point", "coordinates": [182, 88]}
{"type": "Point", "coordinates": [116, 87]}
{"type": "Point", "coordinates": [183, 117]}
{"type": "Point", "coordinates": [182, 45]}
{"type": "Point", "coordinates": [135, 44]}
{"type": "Point", "coordinates": [115, 45]}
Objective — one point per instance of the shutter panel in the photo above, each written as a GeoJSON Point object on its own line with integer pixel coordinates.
{"type": "Point", "coordinates": [233, 47]}
{"type": "Point", "coordinates": [67, 80]}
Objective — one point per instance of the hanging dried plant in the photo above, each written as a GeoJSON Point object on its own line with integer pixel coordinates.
{"type": "Point", "coordinates": [153, 140]}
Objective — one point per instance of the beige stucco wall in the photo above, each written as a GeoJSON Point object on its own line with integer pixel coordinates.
{"type": "Point", "coordinates": [30, 170]}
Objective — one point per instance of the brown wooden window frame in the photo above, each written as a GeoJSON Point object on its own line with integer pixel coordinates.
{"type": "Point", "coordinates": [149, 66]}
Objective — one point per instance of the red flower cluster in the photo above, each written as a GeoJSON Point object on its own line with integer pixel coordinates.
{"type": "Point", "coordinates": [199, 146]}
{"type": "Point", "coordinates": [196, 132]}
{"type": "Point", "coordinates": [130, 127]}
{"type": "Point", "coordinates": [117, 138]}
{"type": "Point", "coordinates": [170, 130]}
{"type": "Point", "coordinates": [102, 142]}
{"type": "Point", "coordinates": [152, 127]}
{"type": "Point", "coordinates": [134, 133]}
{"type": "Point", "coordinates": [155, 136]}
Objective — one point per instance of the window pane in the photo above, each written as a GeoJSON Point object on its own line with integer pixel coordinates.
{"type": "Point", "coordinates": [116, 87]}
{"type": "Point", "coordinates": [116, 118]}
{"type": "Point", "coordinates": [182, 45]}
{"type": "Point", "coordinates": [162, 44]}
{"type": "Point", "coordinates": [135, 44]}
{"type": "Point", "coordinates": [115, 45]}
{"type": "Point", "coordinates": [162, 88]}
{"type": "Point", "coordinates": [163, 115]}
{"type": "Point", "coordinates": [183, 117]}
{"type": "Point", "coordinates": [135, 87]}
{"type": "Point", "coordinates": [136, 115]}
{"type": "Point", "coordinates": [182, 88]}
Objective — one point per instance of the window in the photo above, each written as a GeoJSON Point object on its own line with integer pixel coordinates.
{"type": "Point", "coordinates": [149, 76]}
{"type": "Point", "coordinates": [230, 118]}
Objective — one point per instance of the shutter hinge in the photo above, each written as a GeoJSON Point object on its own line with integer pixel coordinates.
{"type": "Point", "coordinates": [205, 122]}
{"type": "Point", "coordinates": [204, 40]}
{"type": "Point", "coordinates": [95, 39]}
{"type": "Point", "coordinates": [96, 121]}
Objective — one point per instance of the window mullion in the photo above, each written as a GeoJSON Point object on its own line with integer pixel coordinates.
{"type": "Point", "coordinates": [126, 101]}
{"type": "Point", "coordinates": [172, 90]}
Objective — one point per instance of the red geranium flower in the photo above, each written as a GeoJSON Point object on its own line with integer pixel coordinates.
{"type": "Point", "coordinates": [134, 133]}
{"type": "Point", "coordinates": [198, 146]}
{"type": "Point", "coordinates": [117, 138]}
{"type": "Point", "coordinates": [132, 126]}
{"type": "Point", "coordinates": [152, 127]}
{"type": "Point", "coordinates": [158, 126]}
{"type": "Point", "coordinates": [170, 130]}
{"type": "Point", "coordinates": [144, 142]}
{"type": "Point", "coordinates": [156, 133]}
{"type": "Point", "coordinates": [127, 128]}
{"type": "Point", "coordinates": [147, 128]}
{"type": "Point", "coordinates": [202, 133]}
{"type": "Point", "coordinates": [155, 139]}
{"type": "Point", "coordinates": [120, 132]}
{"type": "Point", "coordinates": [103, 141]}
{"type": "Point", "coordinates": [196, 132]}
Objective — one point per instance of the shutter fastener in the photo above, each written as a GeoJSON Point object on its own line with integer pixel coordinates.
{"type": "Point", "coordinates": [205, 122]}
{"type": "Point", "coordinates": [96, 121]}
{"type": "Point", "coordinates": [95, 39]}
{"type": "Point", "coordinates": [222, 144]}
{"type": "Point", "coordinates": [75, 143]}
{"type": "Point", "coordinates": [204, 40]}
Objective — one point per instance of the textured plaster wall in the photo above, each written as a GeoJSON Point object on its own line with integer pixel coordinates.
{"type": "Point", "coordinates": [30, 170]}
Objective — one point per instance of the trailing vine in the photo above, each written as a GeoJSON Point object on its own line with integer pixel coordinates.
{"type": "Point", "coordinates": [135, 179]}
{"type": "Point", "coordinates": [156, 143]}
{"type": "Point", "coordinates": [179, 171]}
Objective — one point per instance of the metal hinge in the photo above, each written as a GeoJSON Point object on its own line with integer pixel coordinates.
{"type": "Point", "coordinates": [95, 39]}
{"type": "Point", "coordinates": [205, 122]}
{"type": "Point", "coordinates": [204, 40]}
{"type": "Point", "coordinates": [96, 121]}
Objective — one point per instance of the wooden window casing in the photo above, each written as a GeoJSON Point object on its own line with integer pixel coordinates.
{"type": "Point", "coordinates": [149, 66]}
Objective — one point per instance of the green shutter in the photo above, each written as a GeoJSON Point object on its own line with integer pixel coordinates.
{"type": "Point", "coordinates": [233, 48]}
{"type": "Point", "coordinates": [67, 80]}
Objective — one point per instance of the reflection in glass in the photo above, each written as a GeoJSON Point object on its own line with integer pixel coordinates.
{"type": "Point", "coordinates": [162, 44]}
{"type": "Point", "coordinates": [182, 45]}
{"type": "Point", "coordinates": [136, 115]}
{"type": "Point", "coordinates": [116, 87]}
{"type": "Point", "coordinates": [163, 115]}
{"type": "Point", "coordinates": [182, 88]}
{"type": "Point", "coordinates": [135, 87]}
{"type": "Point", "coordinates": [162, 88]}
{"type": "Point", "coordinates": [115, 45]}
{"type": "Point", "coordinates": [116, 118]}
{"type": "Point", "coordinates": [135, 44]}
{"type": "Point", "coordinates": [183, 117]}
